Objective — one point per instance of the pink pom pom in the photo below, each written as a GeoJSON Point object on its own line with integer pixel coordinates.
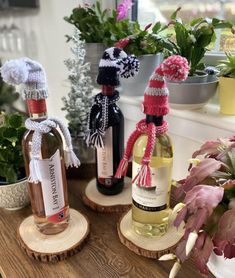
{"type": "Point", "coordinates": [175, 68]}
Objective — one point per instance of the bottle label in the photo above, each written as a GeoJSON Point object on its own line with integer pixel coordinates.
{"type": "Point", "coordinates": [52, 185]}
{"type": "Point", "coordinates": [152, 198]}
{"type": "Point", "coordinates": [105, 156]}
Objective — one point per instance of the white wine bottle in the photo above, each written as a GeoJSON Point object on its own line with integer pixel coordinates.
{"type": "Point", "coordinates": [150, 205]}
{"type": "Point", "coordinates": [153, 153]}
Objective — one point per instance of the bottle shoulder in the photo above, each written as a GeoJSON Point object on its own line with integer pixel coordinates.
{"type": "Point", "coordinates": [163, 146]}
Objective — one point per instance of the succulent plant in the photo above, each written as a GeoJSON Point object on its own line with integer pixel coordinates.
{"type": "Point", "coordinates": [227, 67]}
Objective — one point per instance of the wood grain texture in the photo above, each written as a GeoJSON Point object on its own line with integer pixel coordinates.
{"type": "Point", "coordinates": [107, 204]}
{"type": "Point", "coordinates": [103, 256]}
{"type": "Point", "coordinates": [48, 248]}
{"type": "Point", "coordinates": [147, 247]}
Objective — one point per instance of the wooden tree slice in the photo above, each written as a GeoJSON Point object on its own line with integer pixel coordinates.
{"type": "Point", "coordinates": [104, 203]}
{"type": "Point", "coordinates": [150, 247]}
{"type": "Point", "coordinates": [54, 248]}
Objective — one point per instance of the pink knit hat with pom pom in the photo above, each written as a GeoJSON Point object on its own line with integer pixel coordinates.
{"type": "Point", "coordinates": [155, 103]}
{"type": "Point", "coordinates": [174, 68]}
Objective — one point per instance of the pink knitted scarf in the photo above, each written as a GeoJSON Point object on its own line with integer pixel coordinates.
{"type": "Point", "coordinates": [143, 178]}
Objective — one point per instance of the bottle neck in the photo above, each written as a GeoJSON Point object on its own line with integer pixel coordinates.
{"type": "Point", "coordinates": [37, 109]}
{"type": "Point", "coordinates": [108, 90]}
{"type": "Point", "coordinates": [157, 120]}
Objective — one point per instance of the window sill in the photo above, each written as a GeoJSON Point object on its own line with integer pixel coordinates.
{"type": "Point", "coordinates": [208, 115]}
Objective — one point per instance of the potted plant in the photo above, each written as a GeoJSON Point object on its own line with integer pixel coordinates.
{"type": "Point", "coordinates": [77, 105]}
{"type": "Point", "coordinates": [147, 45]}
{"type": "Point", "coordinates": [100, 28]}
{"type": "Point", "coordinates": [227, 85]}
{"type": "Point", "coordinates": [13, 181]}
{"type": "Point", "coordinates": [191, 41]}
{"type": "Point", "coordinates": [208, 209]}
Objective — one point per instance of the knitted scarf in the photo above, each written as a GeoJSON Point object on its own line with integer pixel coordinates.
{"type": "Point", "coordinates": [94, 135]}
{"type": "Point", "coordinates": [143, 178]}
{"type": "Point", "coordinates": [39, 129]}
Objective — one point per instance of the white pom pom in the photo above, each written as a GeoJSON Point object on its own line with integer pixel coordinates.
{"type": "Point", "coordinates": [14, 72]}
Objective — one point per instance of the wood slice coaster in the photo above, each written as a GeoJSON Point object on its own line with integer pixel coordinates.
{"type": "Point", "coordinates": [150, 247]}
{"type": "Point", "coordinates": [108, 203]}
{"type": "Point", "coordinates": [54, 248]}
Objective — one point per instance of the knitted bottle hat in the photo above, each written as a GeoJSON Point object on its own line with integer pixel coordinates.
{"type": "Point", "coordinates": [115, 63]}
{"type": "Point", "coordinates": [30, 74]}
{"type": "Point", "coordinates": [155, 103]}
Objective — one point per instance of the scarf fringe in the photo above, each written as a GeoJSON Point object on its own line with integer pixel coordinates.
{"type": "Point", "coordinates": [122, 168]}
{"type": "Point", "coordinates": [143, 178]}
{"type": "Point", "coordinates": [35, 176]}
{"type": "Point", "coordinates": [96, 139]}
{"type": "Point", "coordinates": [70, 159]}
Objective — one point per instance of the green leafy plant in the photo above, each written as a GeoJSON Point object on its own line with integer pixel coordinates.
{"type": "Point", "coordinates": [7, 94]}
{"type": "Point", "coordinates": [192, 40]}
{"type": "Point", "coordinates": [11, 157]}
{"type": "Point", "coordinates": [103, 26]}
{"type": "Point", "coordinates": [227, 67]}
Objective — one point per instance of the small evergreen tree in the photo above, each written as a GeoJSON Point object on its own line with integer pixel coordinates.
{"type": "Point", "coordinates": [79, 99]}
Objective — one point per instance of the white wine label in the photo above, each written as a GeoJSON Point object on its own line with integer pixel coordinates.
{"type": "Point", "coordinates": [52, 184]}
{"type": "Point", "coordinates": [105, 156]}
{"type": "Point", "coordinates": [152, 198]}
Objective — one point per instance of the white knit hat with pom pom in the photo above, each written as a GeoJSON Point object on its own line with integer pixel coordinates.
{"type": "Point", "coordinates": [28, 73]}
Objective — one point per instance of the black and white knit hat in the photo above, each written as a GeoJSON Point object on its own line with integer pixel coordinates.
{"type": "Point", "coordinates": [116, 63]}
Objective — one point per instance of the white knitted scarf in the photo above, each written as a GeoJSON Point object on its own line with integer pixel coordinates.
{"type": "Point", "coordinates": [39, 129]}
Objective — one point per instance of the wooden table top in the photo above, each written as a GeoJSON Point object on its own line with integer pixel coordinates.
{"type": "Point", "coordinates": [103, 255]}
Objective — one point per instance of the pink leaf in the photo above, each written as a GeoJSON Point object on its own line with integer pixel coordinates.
{"type": "Point", "coordinates": [199, 172]}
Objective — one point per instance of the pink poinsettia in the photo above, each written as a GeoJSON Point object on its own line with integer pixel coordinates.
{"type": "Point", "coordinates": [224, 239]}
{"type": "Point", "coordinates": [199, 202]}
{"type": "Point", "coordinates": [123, 9]}
{"type": "Point", "coordinates": [197, 174]}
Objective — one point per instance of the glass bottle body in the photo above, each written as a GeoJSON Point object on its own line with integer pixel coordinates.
{"type": "Point", "coordinates": [51, 146]}
{"type": "Point", "coordinates": [108, 158]}
{"type": "Point", "coordinates": [150, 206]}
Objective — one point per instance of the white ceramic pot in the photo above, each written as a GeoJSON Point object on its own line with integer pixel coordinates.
{"type": "Point", "coordinates": [221, 267]}
{"type": "Point", "coordinates": [14, 196]}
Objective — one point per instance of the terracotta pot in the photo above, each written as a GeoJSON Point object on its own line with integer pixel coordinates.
{"type": "Point", "coordinates": [14, 196]}
{"type": "Point", "coordinates": [227, 95]}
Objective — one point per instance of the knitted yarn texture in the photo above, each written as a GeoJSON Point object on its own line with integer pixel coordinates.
{"type": "Point", "coordinates": [39, 129]}
{"type": "Point", "coordinates": [30, 74]}
{"type": "Point", "coordinates": [156, 104]}
{"type": "Point", "coordinates": [94, 136]}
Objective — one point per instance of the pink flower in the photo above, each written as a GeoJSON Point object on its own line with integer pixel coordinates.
{"type": "Point", "coordinates": [224, 239]}
{"type": "Point", "coordinates": [200, 202]}
{"type": "Point", "coordinates": [202, 252]}
{"type": "Point", "coordinates": [197, 174]}
{"type": "Point", "coordinates": [122, 43]}
{"type": "Point", "coordinates": [123, 9]}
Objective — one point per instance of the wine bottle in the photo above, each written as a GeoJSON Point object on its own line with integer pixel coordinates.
{"type": "Point", "coordinates": [153, 153]}
{"type": "Point", "coordinates": [150, 205]}
{"type": "Point", "coordinates": [106, 121]}
{"type": "Point", "coordinates": [109, 156]}
{"type": "Point", "coordinates": [49, 198]}
{"type": "Point", "coordinates": [44, 156]}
